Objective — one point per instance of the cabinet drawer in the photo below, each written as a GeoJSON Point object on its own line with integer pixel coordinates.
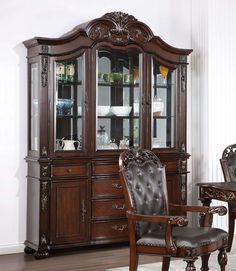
{"type": "Point", "coordinates": [108, 208]}
{"type": "Point", "coordinates": [70, 170]}
{"type": "Point", "coordinates": [103, 188]}
{"type": "Point", "coordinates": [105, 169]}
{"type": "Point", "coordinates": [110, 230]}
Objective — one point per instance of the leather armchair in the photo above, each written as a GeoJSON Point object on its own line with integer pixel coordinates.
{"type": "Point", "coordinates": [152, 229]}
{"type": "Point", "coordinates": [228, 164]}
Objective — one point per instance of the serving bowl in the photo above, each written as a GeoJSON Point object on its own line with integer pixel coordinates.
{"type": "Point", "coordinates": [115, 77]}
{"type": "Point", "coordinates": [121, 110]}
{"type": "Point", "coordinates": [103, 110]}
{"type": "Point", "coordinates": [64, 106]}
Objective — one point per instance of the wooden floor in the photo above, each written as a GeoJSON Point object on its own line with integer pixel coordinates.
{"type": "Point", "coordinates": [88, 259]}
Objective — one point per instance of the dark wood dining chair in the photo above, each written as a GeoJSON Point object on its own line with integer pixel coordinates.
{"type": "Point", "coordinates": [152, 230]}
{"type": "Point", "coordinates": [228, 164]}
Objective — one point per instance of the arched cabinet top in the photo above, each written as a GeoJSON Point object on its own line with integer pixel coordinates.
{"type": "Point", "coordinates": [115, 28]}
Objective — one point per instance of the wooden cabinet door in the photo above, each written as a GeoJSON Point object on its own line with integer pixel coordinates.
{"type": "Point", "coordinates": [69, 218]}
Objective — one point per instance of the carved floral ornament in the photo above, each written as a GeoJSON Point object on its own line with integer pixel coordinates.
{"type": "Point", "coordinates": [208, 192]}
{"type": "Point", "coordinates": [119, 27]}
{"type": "Point", "coordinates": [139, 157]}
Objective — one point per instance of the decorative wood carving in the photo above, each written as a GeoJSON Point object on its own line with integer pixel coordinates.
{"type": "Point", "coordinates": [119, 27]}
{"type": "Point", "coordinates": [228, 151]}
{"type": "Point", "coordinates": [183, 187]}
{"type": "Point", "coordinates": [44, 71]}
{"type": "Point", "coordinates": [44, 196]}
{"type": "Point", "coordinates": [179, 220]}
{"type": "Point", "coordinates": [216, 194]}
{"type": "Point", "coordinates": [43, 250]}
{"type": "Point", "coordinates": [44, 151]}
{"type": "Point", "coordinates": [183, 77]}
{"type": "Point", "coordinates": [139, 157]}
{"type": "Point", "coordinates": [44, 171]}
{"type": "Point", "coordinates": [44, 49]}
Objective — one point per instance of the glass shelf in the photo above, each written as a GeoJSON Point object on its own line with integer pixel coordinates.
{"type": "Point", "coordinates": [118, 84]}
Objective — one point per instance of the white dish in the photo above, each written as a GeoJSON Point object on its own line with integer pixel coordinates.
{"type": "Point", "coordinates": [121, 110]}
{"type": "Point", "coordinates": [103, 110]}
{"type": "Point", "coordinates": [79, 111]}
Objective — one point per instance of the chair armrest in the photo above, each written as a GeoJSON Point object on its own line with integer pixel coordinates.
{"type": "Point", "coordinates": [173, 220]}
{"type": "Point", "coordinates": [220, 210]}
{"type": "Point", "coordinates": [169, 221]}
{"type": "Point", "coordinates": [205, 212]}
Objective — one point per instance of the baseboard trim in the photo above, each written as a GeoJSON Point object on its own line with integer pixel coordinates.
{"type": "Point", "coordinates": [11, 248]}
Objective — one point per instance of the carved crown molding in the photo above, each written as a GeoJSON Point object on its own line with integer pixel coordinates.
{"type": "Point", "coordinates": [120, 28]}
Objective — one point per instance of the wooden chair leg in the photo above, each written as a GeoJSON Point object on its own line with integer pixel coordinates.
{"type": "Point", "coordinates": [230, 228]}
{"type": "Point", "coordinates": [190, 264]}
{"type": "Point", "coordinates": [133, 260]}
{"type": "Point", "coordinates": [205, 259]}
{"type": "Point", "coordinates": [165, 263]}
{"type": "Point", "coordinates": [222, 259]}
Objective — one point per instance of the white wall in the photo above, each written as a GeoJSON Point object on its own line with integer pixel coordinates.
{"type": "Point", "coordinates": [213, 94]}
{"type": "Point", "coordinates": [24, 19]}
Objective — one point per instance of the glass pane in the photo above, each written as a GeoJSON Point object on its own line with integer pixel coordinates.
{"type": "Point", "coordinates": [118, 99]}
{"type": "Point", "coordinates": [34, 108]}
{"type": "Point", "coordinates": [163, 110]}
{"type": "Point", "coordinates": [69, 100]}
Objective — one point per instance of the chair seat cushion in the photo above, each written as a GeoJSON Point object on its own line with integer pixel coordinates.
{"type": "Point", "coordinates": [189, 237]}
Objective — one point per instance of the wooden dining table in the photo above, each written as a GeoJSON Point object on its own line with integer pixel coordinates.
{"type": "Point", "coordinates": [223, 191]}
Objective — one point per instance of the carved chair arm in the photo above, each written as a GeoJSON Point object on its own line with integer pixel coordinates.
{"type": "Point", "coordinates": [169, 221]}
{"type": "Point", "coordinates": [173, 220]}
{"type": "Point", "coordinates": [221, 210]}
{"type": "Point", "coordinates": [205, 212]}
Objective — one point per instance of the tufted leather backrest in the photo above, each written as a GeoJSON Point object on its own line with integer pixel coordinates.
{"type": "Point", "coordinates": [228, 163]}
{"type": "Point", "coordinates": [145, 186]}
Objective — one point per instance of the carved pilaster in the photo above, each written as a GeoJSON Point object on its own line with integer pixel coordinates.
{"type": "Point", "coordinates": [44, 170]}
{"type": "Point", "coordinates": [44, 196]}
{"type": "Point", "coordinates": [183, 77]}
{"type": "Point", "coordinates": [183, 187]}
{"type": "Point", "coordinates": [44, 71]}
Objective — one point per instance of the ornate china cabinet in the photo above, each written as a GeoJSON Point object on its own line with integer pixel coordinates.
{"type": "Point", "coordinates": [107, 85]}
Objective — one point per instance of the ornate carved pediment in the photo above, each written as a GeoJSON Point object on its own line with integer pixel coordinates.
{"type": "Point", "coordinates": [119, 27]}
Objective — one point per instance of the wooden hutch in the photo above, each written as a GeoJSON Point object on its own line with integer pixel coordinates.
{"type": "Point", "coordinates": [107, 85]}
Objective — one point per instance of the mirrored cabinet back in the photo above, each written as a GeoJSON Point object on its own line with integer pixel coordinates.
{"type": "Point", "coordinates": [107, 85]}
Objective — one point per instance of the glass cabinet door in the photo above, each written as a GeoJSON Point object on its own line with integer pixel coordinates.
{"type": "Point", "coordinates": [69, 82]}
{"type": "Point", "coordinates": [163, 106]}
{"type": "Point", "coordinates": [117, 99]}
{"type": "Point", "coordinates": [34, 108]}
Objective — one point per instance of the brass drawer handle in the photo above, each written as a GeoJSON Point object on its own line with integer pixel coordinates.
{"type": "Point", "coordinates": [116, 186]}
{"type": "Point", "coordinates": [117, 207]}
{"type": "Point", "coordinates": [119, 228]}
{"type": "Point", "coordinates": [69, 170]}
